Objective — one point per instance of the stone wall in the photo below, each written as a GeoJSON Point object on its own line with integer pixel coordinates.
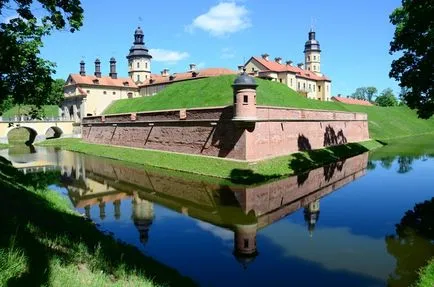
{"type": "Point", "coordinates": [212, 132]}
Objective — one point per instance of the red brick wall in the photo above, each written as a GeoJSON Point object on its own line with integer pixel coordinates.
{"type": "Point", "coordinates": [210, 131]}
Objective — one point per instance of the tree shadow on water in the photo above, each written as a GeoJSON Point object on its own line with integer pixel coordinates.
{"type": "Point", "coordinates": [413, 243]}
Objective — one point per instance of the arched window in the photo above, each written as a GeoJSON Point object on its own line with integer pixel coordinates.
{"type": "Point", "coordinates": [314, 57]}
{"type": "Point", "coordinates": [138, 78]}
{"type": "Point", "coordinates": [130, 95]}
{"type": "Point", "coordinates": [308, 58]}
{"type": "Point", "coordinates": [146, 65]}
{"type": "Point", "coordinates": [138, 65]}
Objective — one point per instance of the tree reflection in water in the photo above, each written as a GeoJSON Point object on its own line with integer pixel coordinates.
{"type": "Point", "coordinates": [413, 244]}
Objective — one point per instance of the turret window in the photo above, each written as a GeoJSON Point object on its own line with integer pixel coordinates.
{"type": "Point", "coordinates": [146, 65]}
{"type": "Point", "coordinates": [138, 78]}
{"type": "Point", "coordinates": [246, 243]}
{"type": "Point", "coordinates": [245, 99]}
{"type": "Point", "coordinates": [314, 57]}
{"type": "Point", "coordinates": [138, 65]}
{"type": "Point", "coordinates": [308, 58]}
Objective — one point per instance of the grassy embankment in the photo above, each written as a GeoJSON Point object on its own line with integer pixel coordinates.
{"type": "Point", "coordinates": [51, 245]}
{"type": "Point", "coordinates": [384, 124]}
{"type": "Point", "coordinates": [426, 274]}
{"type": "Point", "coordinates": [48, 111]}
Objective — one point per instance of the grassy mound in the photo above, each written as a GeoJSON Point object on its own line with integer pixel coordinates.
{"type": "Point", "coordinates": [49, 111]}
{"type": "Point", "coordinates": [383, 122]}
{"type": "Point", "coordinates": [43, 242]}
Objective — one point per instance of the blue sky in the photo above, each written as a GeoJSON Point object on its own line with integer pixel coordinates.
{"type": "Point", "coordinates": [354, 36]}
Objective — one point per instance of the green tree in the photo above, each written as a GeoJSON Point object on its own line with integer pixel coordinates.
{"type": "Point", "coordinates": [387, 98]}
{"type": "Point", "coordinates": [55, 97]}
{"type": "Point", "coordinates": [360, 94]}
{"type": "Point", "coordinates": [24, 75]}
{"type": "Point", "coordinates": [371, 92]}
{"type": "Point", "coordinates": [414, 40]}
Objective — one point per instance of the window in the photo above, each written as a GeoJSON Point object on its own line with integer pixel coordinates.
{"type": "Point", "coordinates": [146, 76]}
{"type": "Point", "coordinates": [308, 58]}
{"type": "Point", "coordinates": [327, 88]}
{"type": "Point", "coordinates": [138, 78]}
{"type": "Point", "coordinates": [280, 80]}
{"type": "Point", "coordinates": [319, 88]}
{"type": "Point", "coordinates": [146, 65]}
{"type": "Point", "coordinates": [308, 68]}
{"type": "Point", "coordinates": [138, 65]}
{"type": "Point", "coordinates": [299, 86]}
{"type": "Point", "coordinates": [304, 86]}
{"type": "Point", "coordinates": [130, 95]}
{"type": "Point", "coordinates": [314, 57]}
{"type": "Point", "coordinates": [314, 67]}
{"type": "Point", "coordinates": [291, 82]}
{"type": "Point", "coordinates": [114, 93]}
{"type": "Point", "coordinates": [245, 99]}
{"type": "Point", "coordinates": [253, 69]}
{"type": "Point", "coordinates": [88, 91]}
{"type": "Point", "coordinates": [105, 92]}
{"type": "Point", "coordinates": [314, 87]}
{"type": "Point", "coordinates": [310, 87]}
{"type": "Point", "coordinates": [246, 243]}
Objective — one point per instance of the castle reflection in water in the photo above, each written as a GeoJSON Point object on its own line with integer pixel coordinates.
{"type": "Point", "coordinates": [95, 183]}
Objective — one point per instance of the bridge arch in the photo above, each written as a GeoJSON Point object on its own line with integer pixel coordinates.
{"type": "Point", "coordinates": [23, 134]}
{"type": "Point", "coordinates": [53, 132]}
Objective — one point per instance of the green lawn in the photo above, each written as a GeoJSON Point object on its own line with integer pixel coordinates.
{"type": "Point", "coordinates": [235, 171]}
{"type": "Point", "coordinates": [44, 242]}
{"type": "Point", "coordinates": [427, 276]}
{"type": "Point", "coordinates": [49, 111]}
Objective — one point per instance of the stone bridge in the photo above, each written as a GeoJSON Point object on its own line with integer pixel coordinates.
{"type": "Point", "coordinates": [40, 130]}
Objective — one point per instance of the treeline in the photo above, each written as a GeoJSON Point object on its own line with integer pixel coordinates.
{"type": "Point", "coordinates": [384, 99]}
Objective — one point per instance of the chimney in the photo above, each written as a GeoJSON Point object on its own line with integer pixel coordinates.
{"type": "Point", "coordinates": [240, 68]}
{"type": "Point", "coordinates": [265, 56]}
{"type": "Point", "coordinates": [300, 65]}
{"type": "Point", "coordinates": [82, 69]}
{"type": "Point", "coordinates": [278, 60]}
{"type": "Point", "coordinates": [97, 68]}
{"type": "Point", "coordinates": [192, 67]}
{"type": "Point", "coordinates": [289, 62]}
{"type": "Point", "coordinates": [165, 72]}
{"type": "Point", "coordinates": [113, 73]}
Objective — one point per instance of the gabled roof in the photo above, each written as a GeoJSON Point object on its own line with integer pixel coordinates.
{"type": "Point", "coordinates": [190, 75]}
{"type": "Point", "coordinates": [351, 101]}
{"type": "Point", "coordinates": [279, 68]}
{"type": "Point", "coordinates": [77, 79]}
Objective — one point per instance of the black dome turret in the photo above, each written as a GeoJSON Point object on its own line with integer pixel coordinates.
{"type": "Point", "coordinates": [312, 44]}
{"type": "Point", "coordinates": [244, 80]}
{"type": "Point", "coordinates": [139, 49]}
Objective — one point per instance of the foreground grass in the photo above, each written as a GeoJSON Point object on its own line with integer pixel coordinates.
{"type": "Point", "coordinates": [427, 275]}
{"type": "Point", "coordinates": [43, 242]}
{"type": "Point", "coordinates": [48, 111]}
{"type": "Point", "coordinates": [235, 171]}
{"type": "Point", "coordinates": [384, 122]}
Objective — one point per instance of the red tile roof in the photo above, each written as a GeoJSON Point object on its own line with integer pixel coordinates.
{"type": "Point", "coordinates": [77, 79]}
{"type": "Point", "coordinates": [276, 67]}
{"type": "Point", "coordinates": [204, 73]}
{"type": "Point", "coordinates": [351, 101]}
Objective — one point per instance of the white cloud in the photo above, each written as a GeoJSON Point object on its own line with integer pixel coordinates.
{"type": "Point", "coordinates": [168, 56]}
{"type": "Point", "coordinates": [227, 53]}
{"type": "Point", "coordinates": [224, 18]}
{"type": "Point", "coordinates": [219, 232]}
{"type": "Point", "coordinates": [8, 19]}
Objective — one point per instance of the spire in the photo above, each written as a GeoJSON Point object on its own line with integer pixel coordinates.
{"type": "Point", "coordinates": [138, 36]}
{"type": "Point", "coordinates": [312, 44]}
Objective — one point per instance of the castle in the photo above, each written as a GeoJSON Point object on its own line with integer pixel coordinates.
{"type": "Point", "coordinates": [90, 95]}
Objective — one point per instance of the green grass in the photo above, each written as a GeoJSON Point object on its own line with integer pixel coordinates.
{"type": "Point", "coordinates": [408, 146]}
{"type": "Point", "coordinates": [384, 122]}
{"type": "Point", "coordinates": [18, 136]}
{"type": "Point", "coordinates": [43, 242]}
{"type": "Point", "coordinates": [49, 111]}
{"type": "Point", "coordinates": [426, 278]}
{"type": "Point", "coordinates": [235, 171]}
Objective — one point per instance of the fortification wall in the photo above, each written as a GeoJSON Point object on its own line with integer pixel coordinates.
{"type": "Point", "coordinates": [212, 132]}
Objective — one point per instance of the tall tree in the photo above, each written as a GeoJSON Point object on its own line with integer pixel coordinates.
{"type": "Point", "coordinates": [24, 75]}
{"type": "Point", "coordinates": [414, 40]}
{"type": "Point", "coordinates": [371, 92]}
{"type": "Point", "coordinates": [387, 98]}
{"type": "Point", "coordinates": [359, 94]}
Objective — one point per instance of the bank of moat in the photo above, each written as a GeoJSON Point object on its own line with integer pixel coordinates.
{"type": "Point", "coordinates": [242, 131]}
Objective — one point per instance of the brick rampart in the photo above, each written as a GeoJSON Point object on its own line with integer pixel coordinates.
{"type": "Point", "coordinates": [212, 132]}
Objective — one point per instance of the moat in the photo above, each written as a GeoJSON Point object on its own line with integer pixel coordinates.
{"type": "Point", "coordinates": [344, 224]}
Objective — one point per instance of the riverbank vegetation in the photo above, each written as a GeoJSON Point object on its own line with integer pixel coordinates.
{"type": "Point", "coordinates": [51, 245]}
{"type": "Point", "coordinates": [426, 275]}
{"type": "Point", "coordinates": [236, 171]}
{"type": "Point", "coordinates": [384, 122]}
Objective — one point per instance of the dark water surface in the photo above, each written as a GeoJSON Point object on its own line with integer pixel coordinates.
{"type": "Point", "coordinates": [345, 224]}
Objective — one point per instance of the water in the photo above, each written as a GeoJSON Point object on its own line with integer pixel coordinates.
{"type": "Point", "coordinates": [333, 226]}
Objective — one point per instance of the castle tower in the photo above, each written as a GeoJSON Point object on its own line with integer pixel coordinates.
{"type": "Point", "coordinates": [312, 54]}
{"type": "Point", "coordinates": [139, 60]}
{"type": "Point", "coordinates": [245, 243]}
{"type": "Point", "coordinates": [311, 215]}
{"type": "Point", "coordinates": [244, 88]}
{"type": "Point", "coordinates": [143, 216]}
